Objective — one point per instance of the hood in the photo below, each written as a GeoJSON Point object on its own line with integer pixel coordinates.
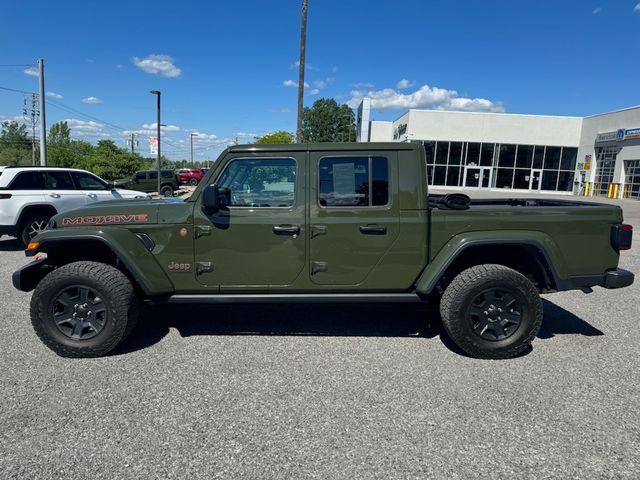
{"type": "Point", "coordinates": [111, 212]}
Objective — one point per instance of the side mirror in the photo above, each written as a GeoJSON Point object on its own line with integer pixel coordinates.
{"type": "Point", "coordinates": [111, 186]}
{"type": "Point", "coordinates": [214, 198]}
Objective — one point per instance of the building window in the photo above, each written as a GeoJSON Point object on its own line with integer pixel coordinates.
{"type": "Point", "coordinates": [605, 166]}
{"type": "Point", "coordinates": [512, 166]}
{"type": "Point", "coordinates": [632, 179]}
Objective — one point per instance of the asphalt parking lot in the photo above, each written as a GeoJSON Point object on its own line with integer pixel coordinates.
{"type": "Point", "coordinates": [295, 391]}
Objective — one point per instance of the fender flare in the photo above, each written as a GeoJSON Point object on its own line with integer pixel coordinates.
{"type": "Point", "coordinates": [127, 247]}
{"type": "Point", "coordinates": [543, 243]}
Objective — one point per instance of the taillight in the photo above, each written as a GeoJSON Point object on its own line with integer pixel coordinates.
{"type": "Point", "coordinates": [4, 196]}
{"type": "Point", "coordinates": [621, 236]}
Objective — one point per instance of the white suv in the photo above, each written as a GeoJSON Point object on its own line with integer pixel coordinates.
{"type": "Point", "coordinates": [30, 196]}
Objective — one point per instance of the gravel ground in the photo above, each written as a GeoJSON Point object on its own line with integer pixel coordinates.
{"type": "Point", "coordinates": [347, 392]}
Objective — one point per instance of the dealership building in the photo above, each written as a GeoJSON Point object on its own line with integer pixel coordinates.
{"type": "Point", "coordinates": [594, 156]}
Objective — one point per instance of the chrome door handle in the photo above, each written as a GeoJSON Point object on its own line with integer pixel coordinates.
{"type": "Point", "coordinates": [286, 229]}
{"type": "Point", "coordinates": [373, 229]}
{"type": "Point", "coordinates": [54, 195]}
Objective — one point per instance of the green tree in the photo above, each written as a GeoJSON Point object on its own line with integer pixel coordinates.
{"type": "Point", "coordinates": [15, 145]}
{"type": "Point", "coordinates": [276, 137]}
{"type": "Point", "coordinates": [59, 134]}
{"type": "Point", "coordinates": [110, 162]}
{"type": "Point", "coordinates": [59, 151]}
{"type": "Point", "coordinates": [326, 121]}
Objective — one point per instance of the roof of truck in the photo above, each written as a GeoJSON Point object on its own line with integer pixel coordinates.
{"type": "Point", "coordinates": [323, 147]}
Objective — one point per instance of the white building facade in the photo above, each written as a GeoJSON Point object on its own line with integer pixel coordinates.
{"type": "Point", "coordinates": [597, 155]}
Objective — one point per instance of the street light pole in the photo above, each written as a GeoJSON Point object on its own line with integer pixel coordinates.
{"type": "Point", "coordinates": [157, 94]}
{"type": "Point", "coordinates": [192, 135]}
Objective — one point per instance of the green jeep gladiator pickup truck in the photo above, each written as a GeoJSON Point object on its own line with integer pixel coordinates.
{"type": "Point", "coordinates": [320, 223]}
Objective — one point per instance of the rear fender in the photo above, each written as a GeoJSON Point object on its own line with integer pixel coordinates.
{"type": "Point", "coordinates": [542, 242]}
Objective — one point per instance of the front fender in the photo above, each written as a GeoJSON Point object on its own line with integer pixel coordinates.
{"type": "Point", "coordinates": [124, 243]}
{"type": "Point", "coordinates": [458, 243]}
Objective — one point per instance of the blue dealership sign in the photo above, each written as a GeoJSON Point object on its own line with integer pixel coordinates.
{"type": "Point", "coordinates": [620, 134]}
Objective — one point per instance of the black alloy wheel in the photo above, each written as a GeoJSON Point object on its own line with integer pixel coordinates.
{"type": "Point", "coordinates": [79, 312]}
{"type": "Point", "coordinates": [496, 313]}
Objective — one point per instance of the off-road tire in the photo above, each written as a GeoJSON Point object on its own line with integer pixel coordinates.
{"type": "Point", "coordinates": [193, 182]}
{"type": "Point", "coordinates": [116, 292]}
{"type": "Point", "coordinates": [39, 220]}
{"type": "Point", "coordinates": [458, 304]}
{"type": "Point", "coordinates": [166, 191]}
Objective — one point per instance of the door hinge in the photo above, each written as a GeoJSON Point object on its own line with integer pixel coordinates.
{"type": "Point", "coordinates": [202, 230]}
{"type": "Point", "coordinates": [203, 267]}
{"type": "Point", "coordinates": [317, 267]}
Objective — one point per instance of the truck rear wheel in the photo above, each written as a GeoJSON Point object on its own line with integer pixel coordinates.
{"type": "Point", "coordinates": [84, 309]}
{"type": "Point", "coordinates": [491, 311]}
{"type": "Point", "coordinates": [166, 191]}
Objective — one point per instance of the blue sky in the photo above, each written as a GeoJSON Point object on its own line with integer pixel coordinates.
{"type": "Point", "coordinates": [227, 69]}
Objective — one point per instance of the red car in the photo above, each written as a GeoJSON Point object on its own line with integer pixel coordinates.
{"type": "Point", "coordinates": [192, 176]}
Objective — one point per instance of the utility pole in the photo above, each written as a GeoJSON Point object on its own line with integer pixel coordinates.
{"type": "Point", "coordinates": [191, 136]}
{"type": "Point", "coordinates": [133, 141]}
{"type": "Point", "coordinates": [43, 122]}
{"type": "Point", "coordinates": [33, 113]}
{"type": "Point", "coordinates": [303, 46]}
{"type": "Point", "coordinates": [157, 94]}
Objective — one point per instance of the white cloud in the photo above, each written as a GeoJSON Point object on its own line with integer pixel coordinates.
{"type": "Point", "coordinates": [596, 10]}
{"type": "Point", "coordinates": [163, 128]}
{"type": "Point", "coordinates": [86, 128]}
{"type": "Point", "coordinates": [161, 65]}
{"type": "Point", "coordinates": [91, 100]}
{"type": "Point", "coordinates": [119, 66]}
{"type": "Point", "coordinates": [204, 137]}
{"type": "Point", "coordinates": [363, 85]}
{"type": "Point", "coordinates": [425, 97]}
{"type": "Point", "coordinates": [31, 71]}
{"type": "Point", "coordinates": [55, 95]}
{"type": "Point", "coordinates": [404, 83]}
{"type": "Point", "coordinates": [637, 8]}
{"type": "Point", "coordinates": [307, 65]}
{"type": "Point", "coordinates": [320, 83]}
{"type": "Point", "coordinates": [280, 110]}
{"type": "Point", "coordinates": [293, 84]}
{"type": "Point", "coordinates": [244, 134]}
{"type": "Point", "coordinates": [315, 91]}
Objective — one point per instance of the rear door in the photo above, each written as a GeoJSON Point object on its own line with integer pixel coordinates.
{"type": "Point", "coordinates": [354, 214]}
{"type": "Point", "coordinates": [61, 191]}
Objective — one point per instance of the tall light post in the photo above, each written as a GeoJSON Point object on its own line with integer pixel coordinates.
{"type": "Point", "coordinates": [192, 135]}
{"type": "Point", "coordinates": [157, 94]}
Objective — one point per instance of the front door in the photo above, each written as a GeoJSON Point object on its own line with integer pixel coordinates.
{"type": "Point", "coordinates": [259, 239]}
{"type": "Point", "coordinates": [535, 181]}
{"type": "Point", "coordinates": [479, 177]}
{"type": "Point", "coordinates": [354, 215]}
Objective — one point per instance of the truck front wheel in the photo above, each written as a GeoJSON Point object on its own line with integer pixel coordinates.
{"type": "Point", "coordinates": [84, 309]}
{"type": "Point", "coordinates": [491, 311]}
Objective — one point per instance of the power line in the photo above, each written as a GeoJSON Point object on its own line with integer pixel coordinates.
{"type": "Point", "coordinates": [17, 91]}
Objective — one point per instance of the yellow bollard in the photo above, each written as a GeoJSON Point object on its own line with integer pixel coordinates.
{"type": "Point", "coordinates": [615, 190]}
{"type": "Point", "coordinates": [586, 189]}
{"type": "Point", "coordinates": [610, 190]}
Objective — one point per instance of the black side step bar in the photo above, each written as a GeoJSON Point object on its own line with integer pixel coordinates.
{"type": "Point", "coordinates": [298, 298]}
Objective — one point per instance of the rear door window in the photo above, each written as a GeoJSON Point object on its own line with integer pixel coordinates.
{"type": "Point", "coordinates": [58, 180]}
{"type": "Point", "coordinates": [353, 181]}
